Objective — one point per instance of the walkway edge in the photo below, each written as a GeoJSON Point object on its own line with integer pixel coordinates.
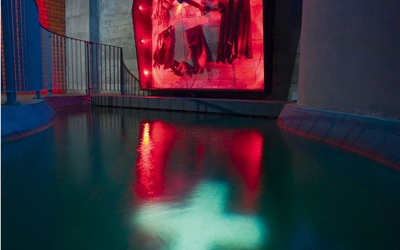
{"type": "Point", "coordinates": [26, 119]}
{"type": "Point", "coordinates": [203, 105]}
{"type": "Point", "coordinates": [375, 138]}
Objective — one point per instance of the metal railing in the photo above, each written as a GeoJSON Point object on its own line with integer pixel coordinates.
{"type": "Point", "coordinates": [67, 65]}
{"type": "Point", "coordinates": [73, 65]}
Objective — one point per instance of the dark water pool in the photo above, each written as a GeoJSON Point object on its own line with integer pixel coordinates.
{"type": "Point", "coordinates": [106, 178]}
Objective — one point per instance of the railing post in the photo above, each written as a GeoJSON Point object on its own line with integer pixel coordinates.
{"type": "Point", "coordinates": [34, 47]}
{"type": "Point", "coordinates": [88, 68]}
{"type": "Point", "coordinates": [49, 64]}
{"type": "Point", "coordinates": [122, 74]}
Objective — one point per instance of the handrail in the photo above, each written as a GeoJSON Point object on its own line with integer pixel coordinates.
{"type": "Point", "coordinates": [39, 59]}
{"type": "Point", "coordinates": [88, 66]}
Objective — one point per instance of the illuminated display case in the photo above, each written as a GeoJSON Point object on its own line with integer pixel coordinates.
{"type": "Point", "coordinates": [212, 45]}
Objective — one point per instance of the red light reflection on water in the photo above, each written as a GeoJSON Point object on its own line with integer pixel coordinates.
{"type": "Point", "coordinates": [245, 155]}
{"type": "Point", "coordinates": [154, 149]}
{"type": "Point", "coordinates": [241, 149]}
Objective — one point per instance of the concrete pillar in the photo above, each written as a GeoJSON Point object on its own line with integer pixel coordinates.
{"type": "Point", "coordinates": [94, 21]}
{"type": "Point", "coordinates": [350, 57]}
{"type": "Point", "coordinates": [82, 19]}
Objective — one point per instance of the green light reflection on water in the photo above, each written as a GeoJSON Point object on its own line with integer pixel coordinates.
{"type": "Point", "coordinates": [202, 222]}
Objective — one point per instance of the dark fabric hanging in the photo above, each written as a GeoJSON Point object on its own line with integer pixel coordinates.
{"type": "Point", "coordinates": [235, 39]}
{"type": "Point", "coordinates": [199, 50]}
{"type": "Point", "coordinates": [165, 48]}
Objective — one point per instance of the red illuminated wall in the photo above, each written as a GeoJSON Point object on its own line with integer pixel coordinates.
{"type": "Point", "coordinates": [52, 15]}
{"type": "Point", "coordinates": [200, 45]}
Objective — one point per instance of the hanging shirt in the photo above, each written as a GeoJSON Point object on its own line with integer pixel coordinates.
{"type": "Point", "coordinates": [165, 48]}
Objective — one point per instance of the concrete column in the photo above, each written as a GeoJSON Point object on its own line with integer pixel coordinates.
{"type": "Point", "coordinates": [94, 21]}
{"type": "Point", "coordinates": [82, 19]}
{"type": "Point", "coordinates": [350, 56]}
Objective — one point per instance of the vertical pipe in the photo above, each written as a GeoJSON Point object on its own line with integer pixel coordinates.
{"type": "Point", "coordinates": [116, 84]}
{"type": "Point", "coordinates": [49, 64]}
{"type": "Point", "coordinates": [91, 64]}
{"type": "Point", "coordinates": [77, 53]}
{"type": "Point", "coordinates": [56, 55]}
{"type": "Point", "coordinates": [130, 85]}
{"type": "Point", "coordinates": [105, 67]}
{"type": "Point", "coordinates": [73, 63]}
{"type": "Point", "coordinates": [116, 70]}
{"type": "Point", "coordinates": [119, 69]}
{"type": "Point", "coordinates": [42, 55]}
{"type": "Point", "coordinates": [92, 48]}
{"type": "Point", "coordinates": [121, 74]}
{"type": "Point", "coordinates": [96, 70]}
{"type": "Point", "coordinates": [109, 62]}
{"type": "Point", "coordinates": [94, 64]}
{"type": "Point", "coordinates": [78, 68]}
{"type": "Point", "coordinates": [81, 58]}
{"type": "Point", "coordinates": [59, 62]}
{"type": "Point", "coordinates": [113, 67]}
{"type": "Point", "coordinates": [101, 67]}
{"type": "Point", "coordinates": [63, 63]}
{"type": "Point", "coordinates": [88, 77]}
{"type": "Point", "coordinates": [111, 71]}
{"type": "Point", "coordinates": [67, 64]}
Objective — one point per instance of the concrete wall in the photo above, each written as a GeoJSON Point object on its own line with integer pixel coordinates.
{"type": "Point", "coordinates": [107, 22]}
{"type": "Point", "coordinates": [77, 17]}
{"type": "Point", "coordinates": [116, 28]}
{"type": "Point", "coordinates": [350, 56]}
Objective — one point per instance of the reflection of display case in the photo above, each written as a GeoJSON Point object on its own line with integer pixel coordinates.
{"type": "Point", "coordinates": [160, 141]}
{"type": "Point", "coordinates": [200, 45]}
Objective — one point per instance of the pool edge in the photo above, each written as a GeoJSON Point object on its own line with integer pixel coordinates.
{"type": "Point", "coordinates": [375, 138]}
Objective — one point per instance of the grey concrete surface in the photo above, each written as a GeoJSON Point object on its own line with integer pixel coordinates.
{"type": "Point", "coordinates": [375, 138]}
{"type": "Point", "coordinates": [116, 28]}
{"type": "Point", "coordinates": [77, 14]}
{"type": "Point", "coordinates": [350, 57]}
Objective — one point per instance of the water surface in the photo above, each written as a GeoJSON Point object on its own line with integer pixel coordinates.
{"type": "Point", "coordinates": [109, 178]}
